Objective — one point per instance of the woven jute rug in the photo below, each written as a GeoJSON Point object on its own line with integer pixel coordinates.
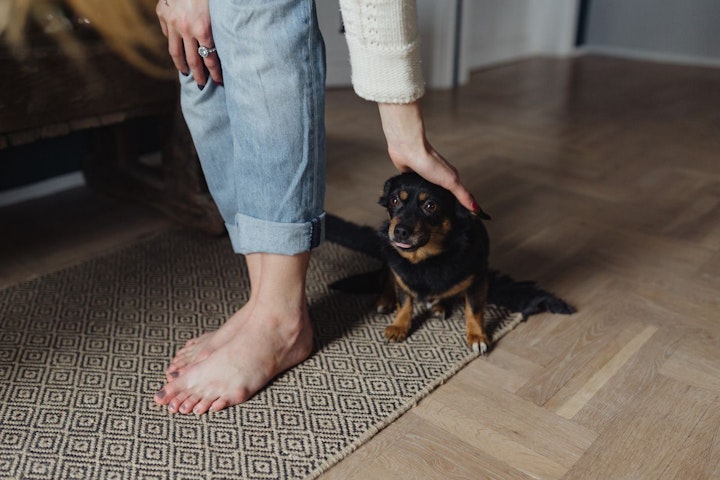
{"type": "Point", "coordinates": [83, 350]}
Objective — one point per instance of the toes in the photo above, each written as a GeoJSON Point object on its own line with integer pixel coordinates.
{"type": "Point", "coordinates": [480, 348]}
{"type": "Point", "coordinates": [193, 341]}
{"type": "Point", "coordinates": [177, 402]}
{"type": "Point", "coordinates": [218, 405]}
{"type": "Point", "coordinates": [167, 394]}
{"type": "Point", "coordinates": [181, 355]}
{"type": "Point", "coordinates": [395, 333]}
{"type": "Point", "coordinates": [478, 342]}
{"type": "Point", "coordinates": [172, 373]}
{"type": "Point", "coordinates": [189, 404]}
{"type": "Point", "coordinates": [203, 405]}
{"type": "Point", "coordinates": [162, 397]}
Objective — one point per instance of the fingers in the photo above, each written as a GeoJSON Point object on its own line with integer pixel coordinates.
{"type": "Point", "coordinates": [161, 16]}
{"type": "Point", "coordinates": [195, 61]}
{"type": "Point", "coordinates": [441, 172]}
{"type": "Point", "coordinates": [163, 25]}
{"type": "Point", "coordinates": [461, 193]}
{"type": "Point", "coordinates": [186, 24]}
{"type": "Point", "coordinates": [212, 61]}
{"type": "Point", "coordinates": [177, 52]}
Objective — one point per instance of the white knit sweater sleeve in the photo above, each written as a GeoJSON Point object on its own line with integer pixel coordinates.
{"type": "Point", "coordinates": [382, 37]}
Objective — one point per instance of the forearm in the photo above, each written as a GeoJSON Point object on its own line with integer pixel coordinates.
{"type": "Point", "coordinates": [404, 129]}
{"type": "Point", "coordinates": [385, 58]}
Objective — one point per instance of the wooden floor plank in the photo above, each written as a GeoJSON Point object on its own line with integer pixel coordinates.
{"type": "Point", "coordinates": [699, 456]}
{"type": "Point", "coordinates": [638, 445]}
{"type": "Point", "coordinates": [428, 451]}
{"type": "Point", "coordinates": [696, 362]}
{"type": "Point", "coordinates": [575, 349]}
{"type": "Point", "coordinates": [582, 396]}
{"type": "Point", "coordinates": [485, 439]}
{"type": "Point", "coordinates": [503, 368]}
{"type": "Point", "coordinates": [625, 388]}
{"type": "Point", "coordinates": [513, 418]}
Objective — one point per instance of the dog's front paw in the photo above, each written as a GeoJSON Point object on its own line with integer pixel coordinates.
{"type": "Point", "coordinates": [479, 343]}
{"type": "Point", "coordinates": [395, 333]}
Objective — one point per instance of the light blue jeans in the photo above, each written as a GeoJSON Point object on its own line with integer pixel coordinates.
{"type": "Point", "coordinates": [261, 136]}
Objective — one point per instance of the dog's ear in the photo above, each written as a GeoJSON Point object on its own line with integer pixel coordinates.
{"type": "Point", "coordinates": [480, 213]}
{"type": "Point", "coordinates": [463, 212]}
{"type": "Point", "coordinates": [389, 186]}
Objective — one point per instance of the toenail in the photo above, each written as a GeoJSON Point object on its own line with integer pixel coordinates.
{"type": "Point", "coordinates": [160, 394]}
{"type": "Point", "coordinates": [175, 374]}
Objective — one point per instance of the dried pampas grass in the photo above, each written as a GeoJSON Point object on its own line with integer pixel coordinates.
{"type": "Point", "coordinates": [130, 28]}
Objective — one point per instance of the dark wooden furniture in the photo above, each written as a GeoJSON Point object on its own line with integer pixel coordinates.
{"type": "Point", "coordinates": [45, 95]}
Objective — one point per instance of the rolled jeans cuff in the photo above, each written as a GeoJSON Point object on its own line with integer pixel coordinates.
{"type": "Point", "coordinates": [253, 235]}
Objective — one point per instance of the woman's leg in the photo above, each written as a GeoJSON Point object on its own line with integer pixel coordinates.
{"type": "Point", "coordinates": [199, 348]}
{"type": "Point", "coordinates": [276, 336]}
{"type": "Point", "coordinates": [270, 194]}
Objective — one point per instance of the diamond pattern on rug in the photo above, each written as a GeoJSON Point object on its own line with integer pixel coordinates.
{"type": "Point", "coordinates": [83, 350]}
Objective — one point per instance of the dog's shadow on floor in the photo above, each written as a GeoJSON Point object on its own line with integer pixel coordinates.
{"type": "Point", "coordinates": [351, 301]}
{"type": "Point", "coordinates": [335, 316]}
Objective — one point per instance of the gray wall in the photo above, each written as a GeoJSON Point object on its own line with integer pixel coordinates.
{"type": "Point", "coordinates": [680, 29]}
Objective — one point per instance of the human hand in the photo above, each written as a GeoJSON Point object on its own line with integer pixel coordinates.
{"type": "Point", "coordinates": [409, 149]}
{"type": "Point", "coordinates": [186, 24]}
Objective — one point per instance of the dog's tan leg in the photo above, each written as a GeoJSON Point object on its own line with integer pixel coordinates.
{"type": "Point", "coordinates": [475, 300]}
{"type": "Point", "coordinates": [387, 301]}
{"type": "Point", "coordinates": [398, 330]}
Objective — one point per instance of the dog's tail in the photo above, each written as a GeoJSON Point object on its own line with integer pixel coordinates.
{"type": "Point", "coordinates": [524, 297]}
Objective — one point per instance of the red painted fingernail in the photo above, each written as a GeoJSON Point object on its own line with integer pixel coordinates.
{"type": "Point", "coordinates": [475, 206]}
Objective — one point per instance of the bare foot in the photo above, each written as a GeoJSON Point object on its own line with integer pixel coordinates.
{"type": "Point", "coordinates": [267, 344]}
{"type": "Point", "coordinates": [199, 348]}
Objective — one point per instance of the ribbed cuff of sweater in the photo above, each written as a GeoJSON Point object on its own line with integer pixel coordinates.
{"type": "Point", "coordinates": [386, 76]}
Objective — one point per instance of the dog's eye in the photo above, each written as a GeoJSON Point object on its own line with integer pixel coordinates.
{"type": "Point", "coordinates": [430, 207]}
{"type": "Point", "coordinates": [394, 201]}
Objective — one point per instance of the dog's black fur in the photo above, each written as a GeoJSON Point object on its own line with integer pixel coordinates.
{"type": "Point", "coordinates": [436, 249]}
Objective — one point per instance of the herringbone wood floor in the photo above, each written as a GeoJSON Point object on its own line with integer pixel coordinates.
{"type": "Point", "coordinates": [603, 179]}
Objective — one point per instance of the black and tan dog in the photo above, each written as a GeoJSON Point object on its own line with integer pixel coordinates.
{"type": "Point", "coordinates": [436, 249]}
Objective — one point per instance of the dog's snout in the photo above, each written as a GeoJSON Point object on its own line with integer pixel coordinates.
{"type": "Point", "coordinates": [402, 232]}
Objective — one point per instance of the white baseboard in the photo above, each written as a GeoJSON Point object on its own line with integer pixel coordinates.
{"type": "Point", "coordinates": [646, 55]}
{"type": "Point", "coordinates": [42, 188]}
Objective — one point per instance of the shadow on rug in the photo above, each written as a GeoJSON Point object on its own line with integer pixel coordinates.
{"type": "Point", "coordinates": [83, 350]}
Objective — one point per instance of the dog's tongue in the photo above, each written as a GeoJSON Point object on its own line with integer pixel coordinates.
{"type": "Point", "coordinates": [402, 245]}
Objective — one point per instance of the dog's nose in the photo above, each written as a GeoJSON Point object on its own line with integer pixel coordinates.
{"type": "Point", "coordinates": [402, 232]}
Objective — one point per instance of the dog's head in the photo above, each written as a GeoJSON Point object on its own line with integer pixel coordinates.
{"type": "Point", "coordinates": [421, 215]}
